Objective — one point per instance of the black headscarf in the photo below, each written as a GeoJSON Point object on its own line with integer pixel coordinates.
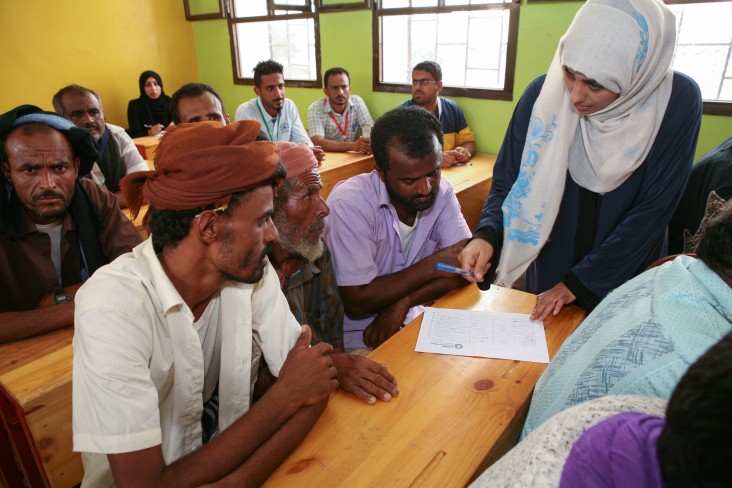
{"type": "Point", "coordinates": [158, 107]}
{"type": "Point", "coordinates": [82, 209]}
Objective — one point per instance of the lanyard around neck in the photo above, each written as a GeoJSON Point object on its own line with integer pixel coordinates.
{"type": "Point", "coordinates": [266, 124]}
{"type": "Point", "coordinates": [342, 130]}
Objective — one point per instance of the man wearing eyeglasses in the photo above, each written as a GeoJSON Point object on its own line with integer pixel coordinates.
{"type": "Point", "coordinates": [459, 145]}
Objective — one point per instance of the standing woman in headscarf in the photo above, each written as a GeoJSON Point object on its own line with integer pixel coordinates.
{"type": "Point", "coordinates": [150, 113]}
{"type": "Point", "coordinates": [594, 161]}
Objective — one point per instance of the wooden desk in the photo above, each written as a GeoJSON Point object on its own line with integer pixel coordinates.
{"type": "Point", "coordinates": [472, 184]}
{"type": "Point", "coordinates": [454, 416]}
{"type": "Point", "coordinates": [138, 221]}
{"type": "Point", "coordinates": [35, 400]}
{"type": "Point", "coordinates": [339, 166]}
{"type": "Point", "coordinates": [147, 145]}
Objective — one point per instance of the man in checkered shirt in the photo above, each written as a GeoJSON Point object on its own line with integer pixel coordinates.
{"type": "Point", "coordinates": [334, 120]}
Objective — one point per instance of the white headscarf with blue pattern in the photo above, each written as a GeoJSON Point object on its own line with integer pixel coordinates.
{"type": "Point", "coordinates": [627, 46]}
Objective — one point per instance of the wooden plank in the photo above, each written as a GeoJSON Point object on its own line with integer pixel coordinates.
{"type": "Point", "coordinates": [39, 382]}
{"type": "Point", "coordinates": [19, 353]}
{"type": "Point", "coordinates": [52, 434]}
{"type": "Point", "coordinates": [472, 182]}
{"type": "Point", "coordinates": [35, 383]}
{"type": "Point", "coordinates": [339, 166]}
{"type": "Point", "coordinates": [147, 146]}
{"type": "Point", "coordinates": [453, 416]}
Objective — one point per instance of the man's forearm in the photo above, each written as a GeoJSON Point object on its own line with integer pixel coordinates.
{"type": "Point", "coordinates": [331, 145]}
{"type": "Point", "coordinates": [215, 460]}
{"type": "Point", "coordinates": [470, 147]}
{"type": "Point", "coordinates": [19, 325]}
{"type": "Point", "coordinates": [386, 289]}
{"type": "Point", "coordinates": [235, 445]}
{"type": "Point", "coordinates": [255, 470]}
{"type": "Point", "coordinates": [434, 289]}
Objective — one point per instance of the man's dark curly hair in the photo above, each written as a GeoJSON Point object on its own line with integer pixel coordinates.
{"type": "Point", "coordinates": [431, 67]}
{"type": "Point", "coordinates": [408, 128]}
{"type": "Point", "coordinates": [715, 245]}
{"type": "Point", "coordinates": [191, 90]}
{"type": "Point", "coordinates": [695, 446]}
{"type": "Point", "coordinates": [266, 68]}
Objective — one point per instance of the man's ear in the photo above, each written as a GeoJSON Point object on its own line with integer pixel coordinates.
{"type": "Point", "coordinates": [5, 167]}
{"type": "Point", "coordinates": [227, 119]}
{"type": "Point", "coordinates": [379, 171]}
{"type": "Point", "coordinates": [257, 91]}
{"type": "Point", "coordinates": [207, 226]}
{"type": "Point", "coordinates": [439, 86]}
{"type": "Point", "coordinates": [325, 90]}
{"type": "Point", "coordinates": [77, 163]}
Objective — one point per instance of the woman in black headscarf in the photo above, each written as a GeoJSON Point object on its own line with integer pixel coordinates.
{"type": "Point", "coordinates": [149, 114]}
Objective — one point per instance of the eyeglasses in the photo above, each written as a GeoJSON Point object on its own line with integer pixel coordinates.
{"type": "Point", "coordinates": [423, 82]}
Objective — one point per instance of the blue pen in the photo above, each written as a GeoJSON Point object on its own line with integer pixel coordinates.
{"type": "Point", "coordinates": [452, 269]}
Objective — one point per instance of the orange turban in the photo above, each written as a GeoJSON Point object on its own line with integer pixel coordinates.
{"type": "Point", "coordinates": [202, 164]}
{"type": "Point", "coordinates": [297, 158]}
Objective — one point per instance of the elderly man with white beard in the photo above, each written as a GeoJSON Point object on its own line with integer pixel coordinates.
{"type": "Point", "coordinates": [303, 263]}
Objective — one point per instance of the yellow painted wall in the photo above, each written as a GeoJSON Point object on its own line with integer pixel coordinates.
{"type": "Point", "coordinates": [101, 44]}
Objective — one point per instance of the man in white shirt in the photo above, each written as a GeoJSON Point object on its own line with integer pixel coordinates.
{"type": "Point", "coordinates": [277, 114]}
{"type": "Point", "coordinates": [118, 155]}
{"type": "Point", "coordinates": [335, 119]}
{"type": "Point", "coordinates": [169, 338]}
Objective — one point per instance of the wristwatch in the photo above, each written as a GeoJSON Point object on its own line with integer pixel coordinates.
{"type": "Point", "coordinates": [61, 297]}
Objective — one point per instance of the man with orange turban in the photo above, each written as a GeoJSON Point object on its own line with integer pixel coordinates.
{"type": "Point", "coordinates": [181, 324]}
{"type": "Point", "coordinates": [304, 265]}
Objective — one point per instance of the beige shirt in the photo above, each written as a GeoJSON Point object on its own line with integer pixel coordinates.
{"type": "Point", "coordinates": [138, 362]}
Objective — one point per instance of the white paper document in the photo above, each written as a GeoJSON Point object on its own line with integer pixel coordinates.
{"type": "Point", "coordinates": [485, 334]}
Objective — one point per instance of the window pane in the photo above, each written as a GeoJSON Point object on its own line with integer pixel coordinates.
{"type": "Point", "coordinates": [408, 3]}
{"type": "Point", "coordinates": [451, 3]}
{"type": "Point", "coordinates": [704, 43]}
{"type": "Point", "coordinates": [300, 3]}
{"type": "Point", "coordinates": [395, 67]}
{"type": "Point", "coordinates": [470, 46]}
{"type": "Point", "coordinates": [289, 42]}
{"type": "Point", "coordinates": [250, 8]}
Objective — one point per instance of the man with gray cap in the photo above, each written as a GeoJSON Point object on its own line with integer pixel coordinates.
{"type": "Point", "coordinates": [55, 229]}
{"type": "Point", "coordinates": [304, 265]}
{"type": "Point", "coordinates": [169, 337]}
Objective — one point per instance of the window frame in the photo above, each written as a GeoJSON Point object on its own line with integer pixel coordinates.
{"type": "Point", "coordinates": [325, 6]}
{"type": "Point", "coordinates": [233, 21]}
{"type": "Point", "coordinates": [709, 107]}
{"type": "Point", "coordinates": [482, 93]}
{"type": "Point", "coordinates": [207, 16]}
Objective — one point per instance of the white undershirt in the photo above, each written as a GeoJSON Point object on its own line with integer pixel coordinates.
{"type": "Point", "coordinates": [406, 233]}
{"type": "Point", "coordinates": [209, 333]}
{"type": "Point", "coordinates": [54, 232]}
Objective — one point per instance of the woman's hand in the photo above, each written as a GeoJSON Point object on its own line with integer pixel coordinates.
{"type": "Point", "coordinates": [552, 301]}
{"type": "Point", "coordinates": [476, 257]}
{"type": "Point", "coordinates": [154, 130]}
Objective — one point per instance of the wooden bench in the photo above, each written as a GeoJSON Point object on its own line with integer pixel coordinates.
{"type": "Point", "coordinates": [472, 182]}
{"type": "Point", "coordinates": [339, 166]}
{"type": "Point", "coordinates": [147, 146]}
{"type": "Point", "coordinates": [35, 401]}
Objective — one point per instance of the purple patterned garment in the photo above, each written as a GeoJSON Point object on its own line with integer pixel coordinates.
{"type": "Point", "coordinates": [618, 452]}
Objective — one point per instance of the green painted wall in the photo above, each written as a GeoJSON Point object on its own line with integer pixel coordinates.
{"type": "Point", "coordinates": [346, 41]}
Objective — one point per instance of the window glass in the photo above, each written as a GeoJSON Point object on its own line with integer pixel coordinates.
{"type": "Point", "coordinates": [471, 46]}
{"type": "Point", "coordinates": [287, 36]}
{"type": "Point", "coordinates": [704, 47]}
